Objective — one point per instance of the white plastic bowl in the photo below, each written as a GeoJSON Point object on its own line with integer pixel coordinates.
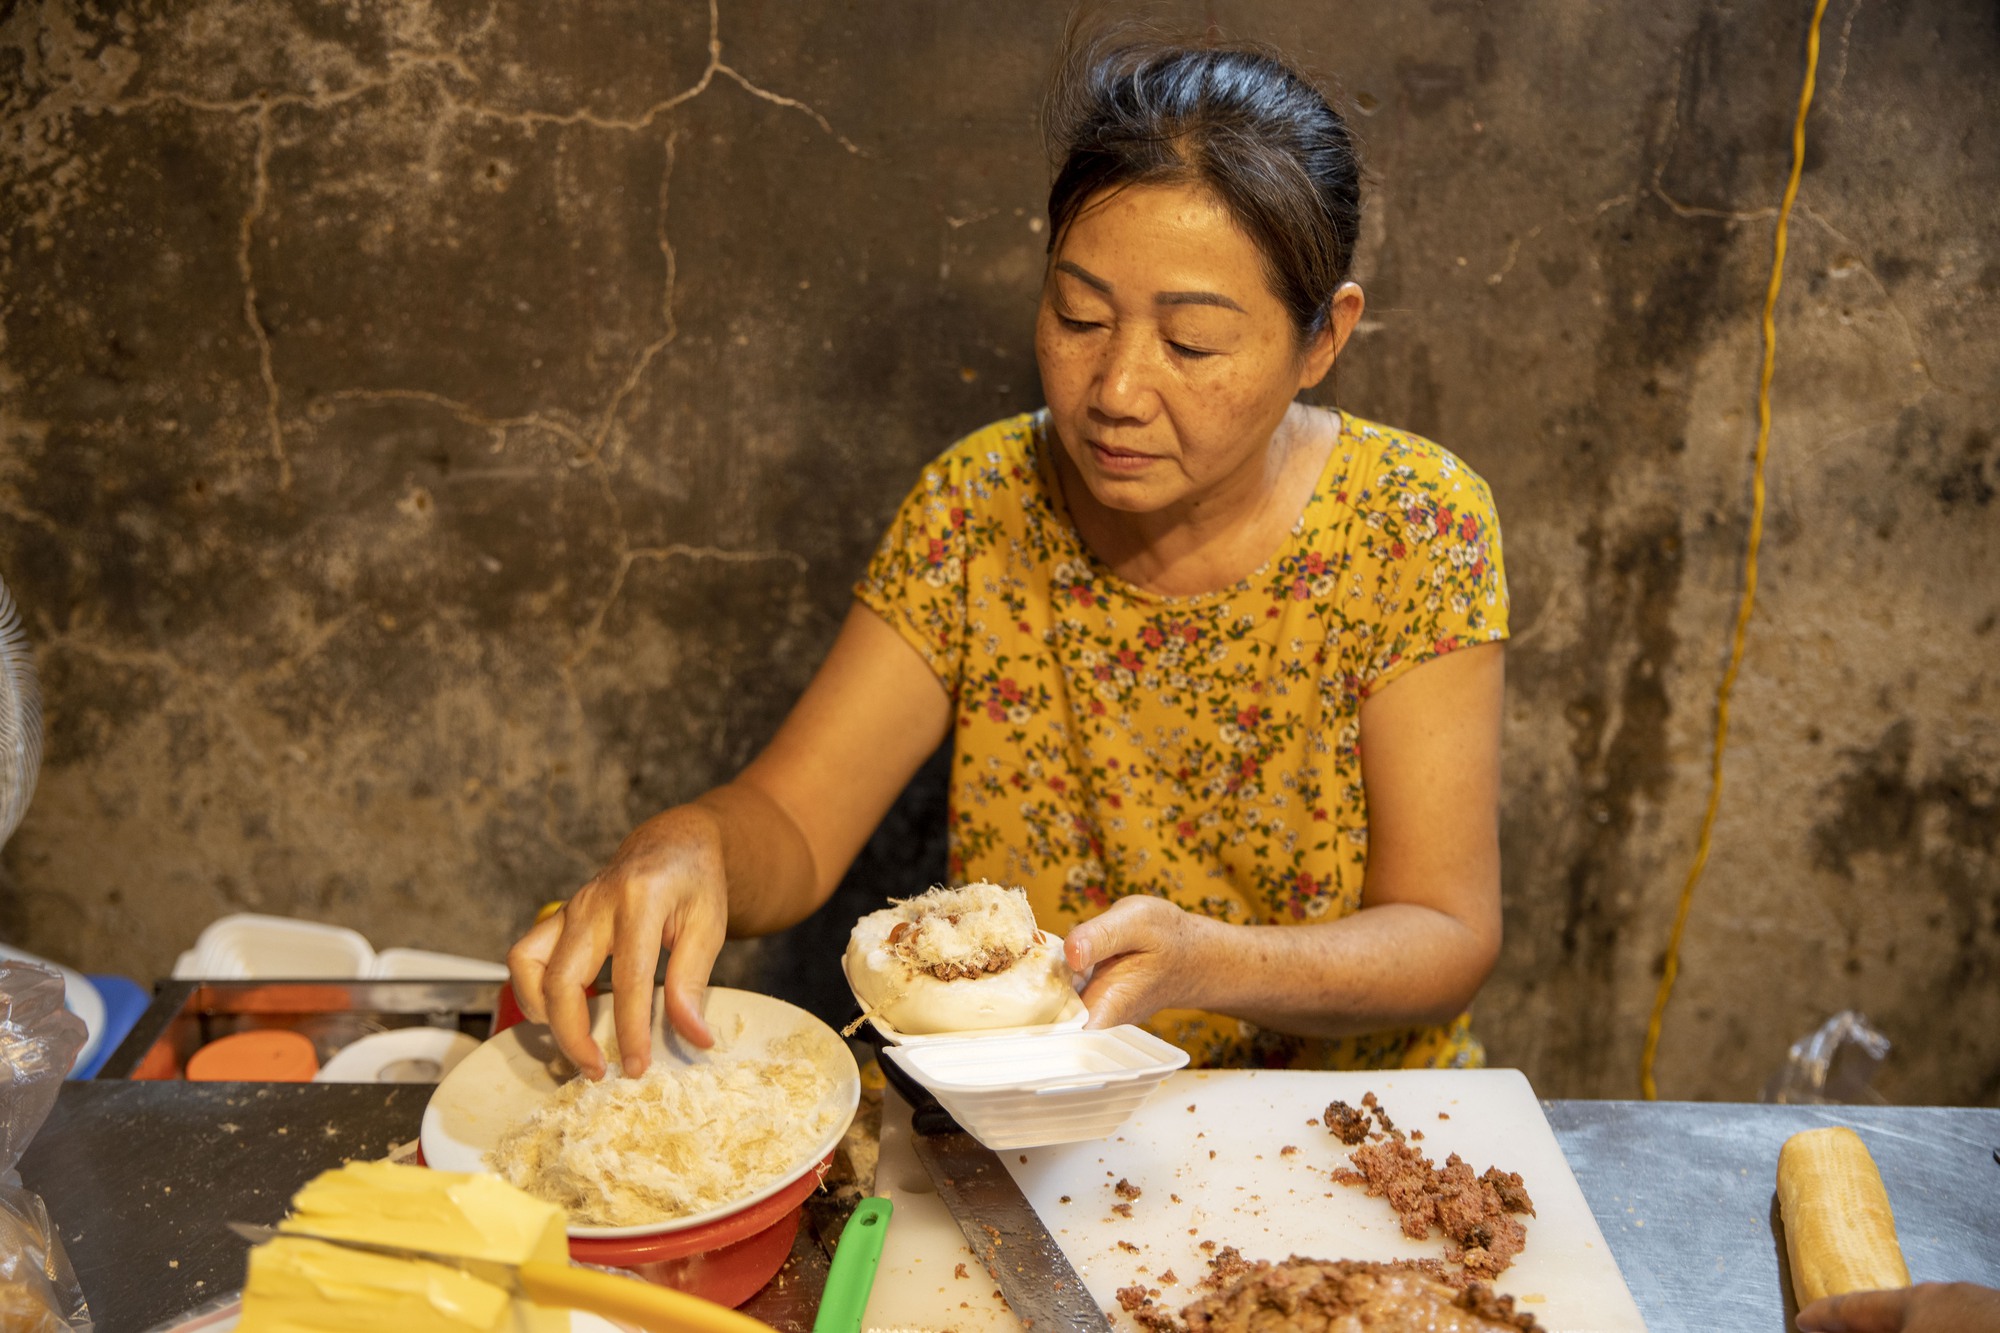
{"type": "Point", "coordinates": [1032, 1090]}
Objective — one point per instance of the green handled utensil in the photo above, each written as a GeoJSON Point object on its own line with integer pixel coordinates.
{"type": "Point", "coordinates": [852, 1275]}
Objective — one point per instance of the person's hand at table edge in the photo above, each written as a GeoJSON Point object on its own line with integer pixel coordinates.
{"type": "Point", "coordinates": [1927, 1307]}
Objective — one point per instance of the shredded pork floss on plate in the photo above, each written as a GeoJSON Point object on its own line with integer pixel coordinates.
{"type": "Point", "coordinates": [676, 1141]}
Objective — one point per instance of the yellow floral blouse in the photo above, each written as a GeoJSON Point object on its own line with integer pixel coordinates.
{"type": "Point", "coordinates": [1109, 740]}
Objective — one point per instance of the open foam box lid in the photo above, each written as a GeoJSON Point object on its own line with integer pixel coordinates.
{"type": "Point", "coordinates": [250, 946]}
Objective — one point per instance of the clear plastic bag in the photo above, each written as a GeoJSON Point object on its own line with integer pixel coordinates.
{"type": "Point", "coordinates": [39, 1040]}
{"type": "Point", "coordinates": [1832, 1064]}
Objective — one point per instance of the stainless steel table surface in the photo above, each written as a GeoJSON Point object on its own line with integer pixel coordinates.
{"type": "Point", "coordinates": [1685, 1193]}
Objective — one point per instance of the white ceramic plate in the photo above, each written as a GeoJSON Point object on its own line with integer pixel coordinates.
{"type": "Point", "coordinates": [400, 1055]}
{"type": "Point", "coordinates": [509, 1077]}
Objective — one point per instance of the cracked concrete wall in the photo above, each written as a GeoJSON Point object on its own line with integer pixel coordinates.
{"type": "Point", "coordinates": [434, 436]}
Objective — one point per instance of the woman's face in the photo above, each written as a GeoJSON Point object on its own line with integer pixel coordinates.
{"type": "Point", "coordinates": [1167, 360]}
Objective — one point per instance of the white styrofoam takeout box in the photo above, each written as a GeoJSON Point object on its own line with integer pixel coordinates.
{"type": "Point", "coordinates": [1035, 1089]}
{"type": "Point", "coordinates": [249, 946]}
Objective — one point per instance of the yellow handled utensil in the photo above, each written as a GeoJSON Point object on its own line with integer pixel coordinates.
{"type": "Point", "coordinates": [559, 1286]}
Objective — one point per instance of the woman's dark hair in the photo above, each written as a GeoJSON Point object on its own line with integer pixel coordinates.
{"type": "Point", "coordinates": [1234, 120]}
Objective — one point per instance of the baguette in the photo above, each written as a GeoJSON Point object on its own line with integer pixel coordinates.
{"type": "Point", "coordinates": [1839, 1231]}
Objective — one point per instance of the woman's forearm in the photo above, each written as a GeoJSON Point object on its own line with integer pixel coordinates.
{"type": "Point", "coordinates": [767, 861]}
{"type": "Point", "coordinates": [1393, 965]}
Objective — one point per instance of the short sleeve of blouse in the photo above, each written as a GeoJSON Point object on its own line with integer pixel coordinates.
{"type": "Point", "coordinates": [1430, 560]}
{"type": "Point", "coordinates": [916, 580]}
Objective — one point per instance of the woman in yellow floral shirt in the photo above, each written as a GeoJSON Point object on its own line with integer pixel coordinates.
{"type": "Point", "coordinates": [1221, 671]}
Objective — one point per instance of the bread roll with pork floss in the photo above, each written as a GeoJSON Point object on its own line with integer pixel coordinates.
{"type": "Point", "coordinates": [958, 960]}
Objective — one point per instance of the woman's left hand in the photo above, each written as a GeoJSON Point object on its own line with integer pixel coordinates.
{"type": "Point", "coordinates": [1139, 956]}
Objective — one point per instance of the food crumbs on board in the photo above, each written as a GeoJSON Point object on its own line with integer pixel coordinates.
{"type": "Point", "coordinates": [1125, 1189]}
{"type": "Point", "coordinates": [1124, 1210]}
{"type": "Point", "coordinates": [1443, 1116]}
{"type": "Point", "coordinates": [173, 1263]}
{"type": "Point", "coordinates": [1288, 1150]}
{"type": "Point", "coordinates": [959, 1272]}
{"type": "Point", "coordinates": [1211, 1154]}
{"type": "Point", "coordinates": [1190, 1108]}
{"type": "Point", "coordinates": [1065, 1198]}
{"type": "Point", "coordinates": [1128, 1247]}
{"type": "Point", "coordinates": [1175, 1197]}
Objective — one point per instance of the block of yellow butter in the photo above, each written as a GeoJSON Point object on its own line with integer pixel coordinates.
{"type": "Point", "coordinates": [297, 1285]}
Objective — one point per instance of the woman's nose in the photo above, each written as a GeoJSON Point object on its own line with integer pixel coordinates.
{"type": "Point", "coordinates": [1124, 382]}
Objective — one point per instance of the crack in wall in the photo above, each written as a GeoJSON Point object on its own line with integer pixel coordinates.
{"type": "Point", "coordinates": [1846, 44]}
{"type": "Point", "coordinates": [1921, 360]}
{"type": "Point", "coordinates": [676, 551]}
{"type": "Point", "coordinates": [669, 331]}
{"type": "Point", "coordinates": [780, 99]}
{"type": "Point", "coordinates": [1678, 208]}
{"type": "Point", "coordinates": [402, 64]}
{"type": "Point", "coordinates": [260, 188]}
{"type": "Point", "coordinates": [644, 121]}
{"type": "Point", "coordinates": [1499, 276]}
{"type": "Point", "coordinates": [497, 427]}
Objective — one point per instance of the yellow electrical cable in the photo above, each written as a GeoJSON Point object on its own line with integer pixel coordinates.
{"type": "Point", "coordinates": [1749, 598]}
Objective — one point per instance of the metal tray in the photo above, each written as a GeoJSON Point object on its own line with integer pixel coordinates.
{"type": "Point", "coordinates": [186, 1015]}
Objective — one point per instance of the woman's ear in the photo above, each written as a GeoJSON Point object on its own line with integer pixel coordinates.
{"type": "Point", "coordinates": [1326, 345]}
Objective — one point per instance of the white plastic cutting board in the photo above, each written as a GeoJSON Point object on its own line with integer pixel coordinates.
{"type": "Point", "coordinates": [1208, 1152]}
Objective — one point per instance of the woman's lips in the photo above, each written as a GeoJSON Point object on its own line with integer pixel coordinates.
{"type": "Point", "coordinates": [1111, 459]}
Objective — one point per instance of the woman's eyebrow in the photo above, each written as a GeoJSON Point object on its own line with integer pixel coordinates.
{"type": "Point", "coordinates": [1089, 279]}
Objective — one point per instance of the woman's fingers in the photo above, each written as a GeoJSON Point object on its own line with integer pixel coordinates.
{"type": "Point", "coordinates": [639, 937]}
{"type": "Point", "coordinates": [1856, 1312]}
{"type": "Point", "coordinates": [581, 947]}
{"type": "Point", "coordinates": [1118, 929]}
{"type": "Point", "coordinates": [527, 961]}
{"type": "Point", "coordinates": [1928, 1307]}
{"type": "Point", "coordinates": [703, 927]}
{"type": "Point", "coordinates": [1129, 952]}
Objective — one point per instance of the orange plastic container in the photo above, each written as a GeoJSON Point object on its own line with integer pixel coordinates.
{"type": "Point", "coordinates": [268, 1055]}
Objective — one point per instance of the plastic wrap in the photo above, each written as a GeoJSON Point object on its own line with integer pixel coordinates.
{"type": "Point", "coordinates": [1832, 1064]}
{"type": "Point", "coordinates": [39, 1040]}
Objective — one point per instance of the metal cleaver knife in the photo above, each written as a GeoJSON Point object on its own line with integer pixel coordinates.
{"type": "Point", "coordinates": [999, 1223]}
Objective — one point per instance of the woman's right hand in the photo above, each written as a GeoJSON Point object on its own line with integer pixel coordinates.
{"type": "Point", "coordinates": [1928, 1307]}
{"type": "Point", "coordinates": [665, 889]}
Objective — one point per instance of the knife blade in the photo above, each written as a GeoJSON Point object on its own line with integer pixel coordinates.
{"type": "Point", "coordinates": [559, 1286]}
{"type": "Point", "coordinates": [1003, 1230]}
